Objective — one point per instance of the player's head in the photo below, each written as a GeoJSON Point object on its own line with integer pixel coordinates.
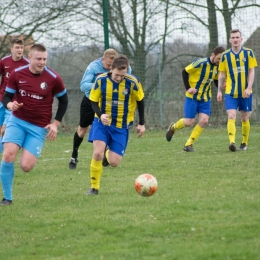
{"type": "Point", "coordinates": [235, 38]}
{"type": "Point", "coordinates": [17, 47]}
{"type": "Point", "coordinates": [119, 68]}
{"type": "Point", "coordinates": [216, 55]}
{"type": "Point", "coordinates": [38, 58]}
{"type": "Point", "coordinates": [107, 58]}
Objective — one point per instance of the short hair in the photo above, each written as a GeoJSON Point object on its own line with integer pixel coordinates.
{"type": "Point", "coordinates": [218, 50]}
{"type": "Point", "coordinates": [120, 62]}
{"type": "Point", "coordinates": [16, 41]}
{"type": "Point", "coordinates": [235, 31]}
{"type": "Point", "coordinates": [110, 53]}
{"type": "Point", "coordinates": [38, 47]}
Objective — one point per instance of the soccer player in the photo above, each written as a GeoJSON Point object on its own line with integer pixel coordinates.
{"type": "Point", "coordinates": [237, 69]}
{"type": "Point", "coordinates": [94, 69]}
{"type": "Point", "coordinates": [34, 87]}
{"type": "Point", "coordinates": [197, 78]}
{"type": "Point", "coordinates": [7, 64]}
{"type": "Point", "coordinates": [113, 97]}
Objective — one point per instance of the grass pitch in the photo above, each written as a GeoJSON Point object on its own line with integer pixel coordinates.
{"type": "Point", "coordinates": [207, 205]}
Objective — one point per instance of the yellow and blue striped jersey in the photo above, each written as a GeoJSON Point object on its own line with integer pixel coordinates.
{"type": "Point", "coordinates": [201, 72]}
{"type": "Point", "coordinates": [117, 99]}
{"type": "Point", "coordinates": [236, 67]}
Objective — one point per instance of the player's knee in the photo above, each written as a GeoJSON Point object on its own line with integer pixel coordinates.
{"type": "Point", "coordinates": [203, 122]}
{"type": "Point", "coordinates": [26, 167]}
{"type": "Point", "coordinates": [82, 131]}
{"type": "Point", "coordinates": [98, 155]}
{"type": "Point", "coordinates": [113, 163]}
{"type": "Point", "coordinates": [189, 122]}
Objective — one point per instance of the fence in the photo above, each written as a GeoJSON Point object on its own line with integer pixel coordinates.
{"type": "Point", "coordinates": [159, 37]}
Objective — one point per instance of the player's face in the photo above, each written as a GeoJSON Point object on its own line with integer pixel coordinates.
{"type": "Point", "coordinates": [17, 51]}
{"type": "Point", "coordinates": [216, 58]}
{"type": "Point", "coordinates": [235, 39]}
{"type": "Point", "coordinates": [38, 60]}
{"type": "Point", "coordinates": [118, 75]}
{"type": "Point", "coordinates": [107, 63]}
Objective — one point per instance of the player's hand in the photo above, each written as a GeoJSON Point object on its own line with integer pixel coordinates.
{"type": "Point", "coordinates": [192, 90]}
{"type": "Point", "coordinates": [105, 119]}
{"type": "Point", "coordinates": [219, 96]}
{"type": "Point", "coordinates": [247, 93]}
{"type": "Point", "coordinates": [3, 130]}
{"type": "Point", "coordinates": [53, 130]}
{"type": "Point", "coordinates": [13, 106]}
{"type": "Point", "coordinates": [140, 129]}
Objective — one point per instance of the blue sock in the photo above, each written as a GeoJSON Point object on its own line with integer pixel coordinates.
{"type": "Point", "coordinates": [1, 145]}
{"type": "Point", "coordinates": [7, 175]}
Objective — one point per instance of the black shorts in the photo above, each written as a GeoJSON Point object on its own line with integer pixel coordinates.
{"type": "Point", "coordinates": [86, 113]}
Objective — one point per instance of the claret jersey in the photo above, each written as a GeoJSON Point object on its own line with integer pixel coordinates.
{"type": "Point", "coordinates": [7, 65]}
{"type": "Point", "coordinates": [36, 92]}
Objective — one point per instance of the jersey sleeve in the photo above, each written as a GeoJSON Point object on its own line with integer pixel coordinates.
{"type": "Point", "coordinates": [252, 60]}
{"type": "Point", "coordinates": [222, 66]}
{"type": "Point", "coordinates": [59, 88]}
{"type": "Point", "coordinates": [190, 68]}
{"type": "Point", "coordinates": [1, 67]}
{"type": "Point", "coordinates": [11, 83]}
{"type": "Point", "coordinates": [87, 80]}
{"type": "Point", "coordinates": [138, 91]}
{"type": "Point", "coordinates": [96, 93]}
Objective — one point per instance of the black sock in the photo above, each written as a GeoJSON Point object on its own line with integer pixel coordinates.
{"type": "Point", "coordinates": [76, 144]}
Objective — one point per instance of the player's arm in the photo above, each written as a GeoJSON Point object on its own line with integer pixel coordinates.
{"type": "Point", "coordinates": [62, 106]}
{"type": "Point", "coordinates": [104, 118]}
{"type": "Point", "coordinates": [8, 103]}
{"type": "Point", "coordinates": [87, 80]}
{"type": "Point", "coordinates": [8, 97]}
{"type": "Point", "coordinates": [140, 128]}
{"type": "Point", "coordinates": [221, 84]}
{"type": "Point", "coordinates": [140, 108]}
{"type": "Point", "coordinates": [185, 78]}
{"type": "Point", "coordinates": [96, 108]}
{"type": "Point", "coordinates": [251, 77]}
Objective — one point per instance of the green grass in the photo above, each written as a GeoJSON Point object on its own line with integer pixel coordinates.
{"type": "Point", "coordinates": [207, 205]}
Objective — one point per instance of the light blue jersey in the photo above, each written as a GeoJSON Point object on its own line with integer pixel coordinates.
{"type": "Point", "coordinates": [94, 69]}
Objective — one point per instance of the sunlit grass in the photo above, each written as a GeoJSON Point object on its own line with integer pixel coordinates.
{"type": "Point", "coordinates": [207, 205]}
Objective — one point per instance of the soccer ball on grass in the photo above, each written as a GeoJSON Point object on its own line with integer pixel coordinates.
{"type": "Point", "coordinates": [146, 184]}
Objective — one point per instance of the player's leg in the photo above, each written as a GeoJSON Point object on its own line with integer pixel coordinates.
{"type": "Point", "coordinates": [13, 140]}
{"type": "Point", "coordinates": [32, 146]}
{"type": "Point", "coordinates": [231, 105]}
{"type": "Point", "coordinates": [204, 111]}
{"type": "Point", "coordinates": [99, 138]}
{"type": "Point", "coordinates": [2, 116]}
{"type": "Point", "coordinates": [190, 106]}
{"type": "Point", "coordinates": [117, 146]}
{"type": "Point", "coordinates": [86, 119]}
{"type": "Point", "coordinates": [245, 106]}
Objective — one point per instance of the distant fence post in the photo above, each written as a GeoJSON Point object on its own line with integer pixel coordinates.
{"type": "Point", "coordinates": [105, 23]}
{"type": "Point", "coordinates": [160, 83]}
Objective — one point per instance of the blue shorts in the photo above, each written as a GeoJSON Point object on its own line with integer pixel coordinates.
{"type": "Point", "coordinates": [26, 135]}
{"type": "Point", "coordinates": [115, 138]}
{"type": "Point", "coordinates": [4, 114]}
{"type": "Point", "coordinates": [244, 104]}
{"type": "Point", "coordinates": [193, 107]}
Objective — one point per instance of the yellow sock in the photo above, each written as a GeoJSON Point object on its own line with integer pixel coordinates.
{"type": "Point", "coordinates": [245, 131]}
{"type": "Point", "coordinates": [179, 124]}
{"type": "Point", "coordinates": [231, 127]}
{"type": "Point", "coordinates": [196, 132]}
{"type": "Point", "coordinates": [95, 173]}
{"type": "Point", "coordinates": [106, 154]}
